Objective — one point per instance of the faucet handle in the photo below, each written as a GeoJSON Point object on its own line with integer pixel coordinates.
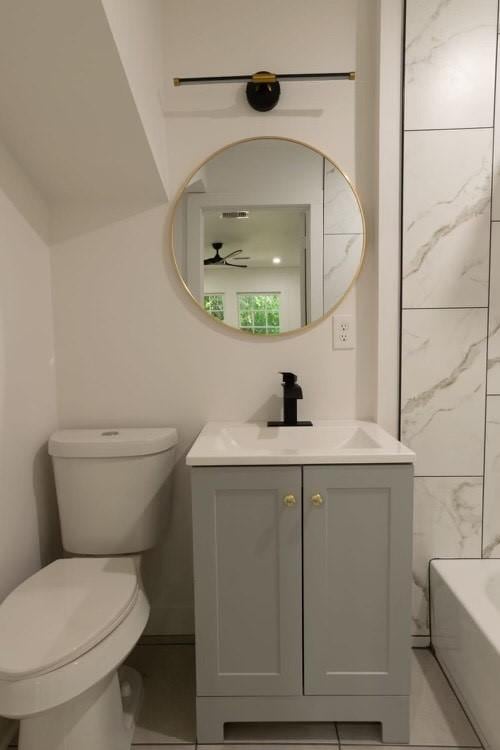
{"type": "Point", "coordinates": [289, 378]}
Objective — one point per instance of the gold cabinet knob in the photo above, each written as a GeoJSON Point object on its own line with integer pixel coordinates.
{"type": "Point", "coordinates": [317, 499]}
{"type": "Point", "coordinates": [289, 500]}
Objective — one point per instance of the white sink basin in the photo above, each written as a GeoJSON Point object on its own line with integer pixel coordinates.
{"type": "Point", "coordinates": [326, 442]}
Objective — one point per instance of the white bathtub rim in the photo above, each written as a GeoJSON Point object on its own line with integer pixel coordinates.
{"type": "Point", "coordinates": [463, 702]}
{"type": "Point", "coordinates": [461, 577]}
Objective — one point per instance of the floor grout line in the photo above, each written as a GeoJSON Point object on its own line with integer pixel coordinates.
{"type": "Point", "coordinates": [331, 743]}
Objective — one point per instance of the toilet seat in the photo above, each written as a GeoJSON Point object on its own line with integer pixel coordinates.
{"type": "Point", "coordinates": [62, 612]}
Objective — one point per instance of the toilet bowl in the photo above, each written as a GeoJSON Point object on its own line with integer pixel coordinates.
{"type": "Point", "coordinates": [65, 631]}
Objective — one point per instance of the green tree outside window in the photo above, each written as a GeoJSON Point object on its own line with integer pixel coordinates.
{"type": "Point", "coordinates": [214, 304]}
{"type": "Point", "coordinates": [259, 313]}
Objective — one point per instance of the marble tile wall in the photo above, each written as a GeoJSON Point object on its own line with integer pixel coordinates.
{"type": "Point", "coordinates": [450, 64]}
{"type": "Point", "coordinates": [450, 353]}
{"type": "Point", "coordinates": [446, 220]}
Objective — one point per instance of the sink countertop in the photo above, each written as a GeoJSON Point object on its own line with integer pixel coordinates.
{"type": "Point", "coordinates": [326, 442]}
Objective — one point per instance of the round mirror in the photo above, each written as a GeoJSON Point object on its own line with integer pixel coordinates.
{"type": "Point", "coordinates": [268, 235]}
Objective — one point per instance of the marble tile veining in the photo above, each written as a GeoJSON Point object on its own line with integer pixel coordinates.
{"type": "Point", "coordinates": [450, 63]}
{"type": "Point", "coordinates": [341, 257]}
{"type": "Point", "coordinates": [494, 322]}
{"type": "Point", "coordinates": [447, 523]}
{"type": "Point", "coordinates": [446, 218]}
{"type": "Point", "coordinates": [491, 538]}
{"type": "Point", "coordinates": [342, 214]}
{"type": "Point", "coordinates": [443, 390]}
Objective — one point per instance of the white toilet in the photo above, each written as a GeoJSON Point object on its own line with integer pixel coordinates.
{"type": "Point", "coordinates": [65, 631]}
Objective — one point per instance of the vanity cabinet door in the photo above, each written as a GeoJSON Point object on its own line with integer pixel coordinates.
{"type": "Point", "coordinates": [357, 579]}
{"type": "Point", "coordinates": [248, 588]}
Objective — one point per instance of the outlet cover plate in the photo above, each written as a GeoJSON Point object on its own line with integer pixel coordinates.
{"type": "Point", "coordinates": [344, 332]}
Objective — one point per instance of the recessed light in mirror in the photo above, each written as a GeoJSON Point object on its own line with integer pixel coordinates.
{"type": "Point", "coordinates": [276, 261]}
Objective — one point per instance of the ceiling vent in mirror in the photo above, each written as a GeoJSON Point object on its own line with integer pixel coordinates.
{"type": "Point", "coordinates": [235, 214]}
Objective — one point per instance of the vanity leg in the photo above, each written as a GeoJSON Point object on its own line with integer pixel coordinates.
{"type": "Point", "coordinates": [396, 725]}
{"type": "Point", "coordinates": [209, 725]}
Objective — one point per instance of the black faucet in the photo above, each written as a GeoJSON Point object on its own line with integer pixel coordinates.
{"type": "Point", "coordinates": [291, 394]}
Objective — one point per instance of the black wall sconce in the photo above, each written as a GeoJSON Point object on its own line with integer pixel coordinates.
{"type": "Point", "coordinates": [263, 89]}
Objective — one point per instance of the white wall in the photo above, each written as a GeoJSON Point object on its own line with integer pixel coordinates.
{"type": "Point", "coordinates": [28, 517]}
{"type": "Point", "coordinates": [137, 29]}
{"type": "Point", "coordinates": [132, 348]}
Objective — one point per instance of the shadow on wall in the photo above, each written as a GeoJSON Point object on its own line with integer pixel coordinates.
{"type": "Point", "coordinates": [159, 562]}
{"type": "Point", "coordinates": [240, 109]}
{"type": "Point", "coordinates": [44, 490]}
{"type": "Point", "coordinates": [22, 194]}
{"type": "Point", "coordinates": [235, 111]}
{"type": "Point", "coordinates": [272, 408]}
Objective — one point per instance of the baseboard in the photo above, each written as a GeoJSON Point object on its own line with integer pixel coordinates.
{"type": "Point", "coordinates": [167, 640]}
{"type": "Point", "coordinates": [171, 621]}
{"type": "Point", "coordinates": [8, 729]}
{"type": "Point", "coordinates": [420, 641]}
{"type": "Point", "coordinates": [153, 637]}
{"type": "Point", "coordinates": [187, 639]}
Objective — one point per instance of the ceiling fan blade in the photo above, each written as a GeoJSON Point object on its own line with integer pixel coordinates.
{"type": "Point", "coordinates": [235, 252]}
{"type": "Point", "coordinates": [236, 265]}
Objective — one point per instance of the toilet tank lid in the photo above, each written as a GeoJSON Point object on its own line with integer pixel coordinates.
{"type": "Point", "coordinates": [112, 442]}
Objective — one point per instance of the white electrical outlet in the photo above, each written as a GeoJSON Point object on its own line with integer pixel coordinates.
{"type": "Point", "coordinates": [344, 333]}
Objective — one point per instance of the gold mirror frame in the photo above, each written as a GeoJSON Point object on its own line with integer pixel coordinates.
{"type": "Point", "coordinates": [179, 195]}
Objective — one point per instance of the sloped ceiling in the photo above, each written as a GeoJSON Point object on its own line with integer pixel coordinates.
{"type": "Point", "coordinates": [68, 116]}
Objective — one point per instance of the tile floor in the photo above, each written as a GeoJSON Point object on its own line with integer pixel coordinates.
{"type": "Point", "coordinates": [437, 719]}
{"type": "Point", "coordinates": [168, 715]}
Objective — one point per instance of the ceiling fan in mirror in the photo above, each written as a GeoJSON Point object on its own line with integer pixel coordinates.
{"type": "Point", "coordinates": [222, 260]}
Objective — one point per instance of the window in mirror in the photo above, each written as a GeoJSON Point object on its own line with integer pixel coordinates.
{"type": "Point", "coordinates": [214, 304]}
{"type": "Point", "coordinates": [259, 313]}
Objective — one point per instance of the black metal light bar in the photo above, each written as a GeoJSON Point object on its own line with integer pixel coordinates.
{"type": "Point", "coordinates": [266, 78]}
{"type": "Point", "coordinates": [263, 88]}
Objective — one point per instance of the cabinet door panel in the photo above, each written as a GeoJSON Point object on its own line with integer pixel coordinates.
{"type": "Point", "coordinates": [248, 588]}
{"type": "Point", "coordinates": [357, 579]}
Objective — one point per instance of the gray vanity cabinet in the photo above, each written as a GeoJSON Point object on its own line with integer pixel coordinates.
{"type": "Point", "coordinates": [248, 586]}
{"type": "Point", "coordinates": [357, 557]}
{"type": "Point", "coordinates": [302, 595]}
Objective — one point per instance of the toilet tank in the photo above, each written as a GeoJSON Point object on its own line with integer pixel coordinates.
{"type": "Point", "coordinates": [113, 487]}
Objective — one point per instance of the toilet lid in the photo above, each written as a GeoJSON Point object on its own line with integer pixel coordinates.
{"type": "Point", "coordinates": [63, 611]}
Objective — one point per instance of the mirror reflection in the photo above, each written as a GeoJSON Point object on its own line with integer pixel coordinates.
{"type": "Point", "coordinates": [268, 235]}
